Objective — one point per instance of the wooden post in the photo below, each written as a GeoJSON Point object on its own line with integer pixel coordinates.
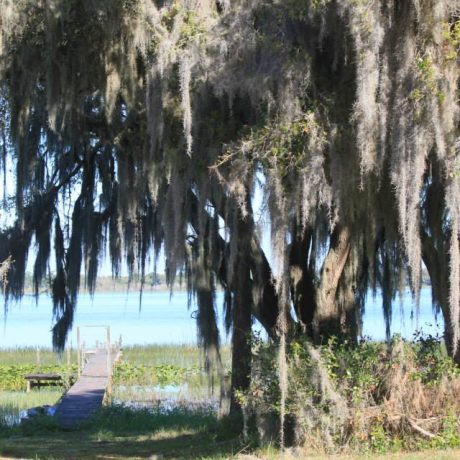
{"type": "Point", "coordinates": [109, 366]}
{"type": "Point", "coordinates": [78, 352]}
{"type": "Point", "coordinates": [109, 351]}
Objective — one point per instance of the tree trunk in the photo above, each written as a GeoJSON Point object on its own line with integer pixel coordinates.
{"type": "Point", "coordinates": [437, 263]}
{"type": "Point", "coordinates": [266, 303]}
{"type": "Point", "coordinates": [435, 253]}
{"type": "Point", "coordinates": [303, 291]}
{"type": "Point", "coordinates": [350, 299]}
{"type": "Point", "coordinates": [327, 319]}
{"type": "Point", "coordinates": [241, 312]}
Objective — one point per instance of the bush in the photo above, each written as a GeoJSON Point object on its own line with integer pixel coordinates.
{"type": "Point", "coordinates": [370, 396]}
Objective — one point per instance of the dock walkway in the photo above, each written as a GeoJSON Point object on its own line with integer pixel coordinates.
{"type": "Point", "coordinates": [87, 394]}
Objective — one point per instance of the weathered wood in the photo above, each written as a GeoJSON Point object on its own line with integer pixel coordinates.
{"type": "Point", "coordinates": [327, 318]}
{"type": "Point", "coordinates": [38, 380]}
{"type": "Point", "coordinates": [42, 377]}
{"type": "Point", "coordinates": [87, 394]}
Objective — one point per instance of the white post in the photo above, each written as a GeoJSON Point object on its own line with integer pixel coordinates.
{"type": "Point", "coordinates": [109, 352]}
{"type": "Point", "coordinates": [78, 352]}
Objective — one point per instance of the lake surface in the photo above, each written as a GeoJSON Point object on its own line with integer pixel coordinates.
{"type": "Point", "coordinates": [166, 320]}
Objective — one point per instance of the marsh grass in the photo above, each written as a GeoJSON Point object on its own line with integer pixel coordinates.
{"type": "Point", "coordinates": [191, 389]}
{"type": "Point", "coordinates": [149, 376]}
{"type": "Point", "coordinates": [185, 356]}
{"type": "Point", "coordinates": [12, 402]}
{"type": "Point", "coordinates": [146, 375]}
{"type": "Point", "coordinates": [38, 356]}
{"type": "Point", "coordinates": [185, 429]}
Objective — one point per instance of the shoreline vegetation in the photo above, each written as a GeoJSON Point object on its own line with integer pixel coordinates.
{"type": "Point", "coordinates": [374, 400]}
{"type": "Point", "coordinates": [152, 283]}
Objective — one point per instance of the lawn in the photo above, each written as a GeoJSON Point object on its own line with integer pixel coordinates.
{"type": "Point", "coordinates": [117, 433]}
{"type": "Point", "coordinates": [126, 433]}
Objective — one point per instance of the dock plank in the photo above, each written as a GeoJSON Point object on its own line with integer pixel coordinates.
{"type": "Point", "coordinates": [87, 394]}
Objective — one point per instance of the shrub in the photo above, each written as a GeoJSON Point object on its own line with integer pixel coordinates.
{"type": "Point", "coordinates": [370, 396]}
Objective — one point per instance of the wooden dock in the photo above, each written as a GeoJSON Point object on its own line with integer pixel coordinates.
{"type": "Point", "coordinates": [87, 394]}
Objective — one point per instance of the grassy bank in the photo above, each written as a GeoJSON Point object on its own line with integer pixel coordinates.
{"type": "Point", "coordinates": [12, 402]}
{"type": "Point", "coordinates": [126, 433]}
{"type": "Point", "coordinates": [121, 431]}
{"type": "Point", "coordinates": [370, 401]}
{"type": "Point", "coordinates": [143, 376]}
{"type": "Point", "coordinates": [17, 362]}
{"type": "Point", "coordinates": [118, 433]}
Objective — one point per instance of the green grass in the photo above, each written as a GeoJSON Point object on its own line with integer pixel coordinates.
{"type": "Point", "coordinates": [14, 364]}
{"type": "Point", "coordinates": [144, 367]}
{"type": "Point", "coordinates": [12, 402]}
{"type": "Point", "coordinates": [178, 355]}
{"type": "Point", "coordinates": [117, 433]}
{"type": "Point", "coordinates": [12, 376]}
{"type": "Point", "coordinates": [186, 431]}
{"type": "Point", "coordinates": [185, 356]}
{"type": "Point", "coordinates": [143, 370]}
{"type": "Point", "coordinates": [125, 433]}
{"type": "Point", "coordinates": [30, 355]}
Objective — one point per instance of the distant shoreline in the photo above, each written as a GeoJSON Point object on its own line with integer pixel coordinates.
{"type": "Point", "coordinates": [107, 285]}
{"type": "Point", "coordinates": [116, 290]}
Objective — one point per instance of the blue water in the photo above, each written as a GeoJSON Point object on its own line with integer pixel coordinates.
{"type": "Point", "coordinates": [163, 320]}
{"type": "Point", "coordinates": [406, 320]}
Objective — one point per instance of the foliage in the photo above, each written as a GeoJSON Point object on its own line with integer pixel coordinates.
{"type": "Point", "coordinates": [162, 374]}
{"type": "Point", "coordinates": [164, 365]}
{"type": "Point", "coordinates": [451, 35]}
{"type": "Point", "coordinates": [284, 148]}
{"type": "Point", "coordinates": [367, 396]}
{"type": "Point", "coordinates": [434, 364]}
{"type": "Point", "coordinates": [12, 376]}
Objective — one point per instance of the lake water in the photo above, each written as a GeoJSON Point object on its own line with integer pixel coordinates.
{"type": "Point", "coordinates": [165, 320]}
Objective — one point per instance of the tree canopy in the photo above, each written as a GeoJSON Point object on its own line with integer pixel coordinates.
{"type": "Point", "coordinates": [137, 125]}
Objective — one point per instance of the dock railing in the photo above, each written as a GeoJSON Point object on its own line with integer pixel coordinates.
{"type": "Point", "coordinates": [112, 349]}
